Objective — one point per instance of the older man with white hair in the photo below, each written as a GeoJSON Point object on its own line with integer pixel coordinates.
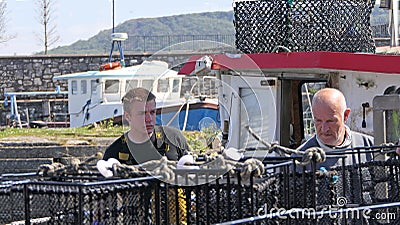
{"type": "Point", "coordinates": [330, 115]}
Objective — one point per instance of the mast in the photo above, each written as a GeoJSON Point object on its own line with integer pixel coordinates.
{"type": "Point", "coordinates": [113, 16]}
{"type": "Point", "coordinates": [117, 38]}
{"type": "Point", "coordinates": [394, 18]}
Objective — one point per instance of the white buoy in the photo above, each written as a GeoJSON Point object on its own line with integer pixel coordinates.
{"type": "Point", "coordinates": [233, 153]}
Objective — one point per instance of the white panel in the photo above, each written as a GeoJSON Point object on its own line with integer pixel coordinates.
{"type": "Point", "coordinates": [258, 110]}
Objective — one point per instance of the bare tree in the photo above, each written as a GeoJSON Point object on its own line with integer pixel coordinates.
{"type": "Point", "coordinates": [4, 36]}
{"type": "Point", "coordinates": [45, 17]}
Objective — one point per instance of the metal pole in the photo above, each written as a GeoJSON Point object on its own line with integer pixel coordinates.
{"type": "Point", "coordinates": [80, 206]}
{"type": "Point", "coordinates": [16, 114]}
{"type": "Point", "coordinates": [113, 15]}
{"type": "Point", "coordinates": [27, 205]}
{"type": "Point", "coordinates": [394, 23]}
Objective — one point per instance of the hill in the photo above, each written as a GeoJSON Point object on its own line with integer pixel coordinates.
{"type": "Point", "coordinates": [156, 33]}
{"type": "Point", "coordinates": [137, 29]}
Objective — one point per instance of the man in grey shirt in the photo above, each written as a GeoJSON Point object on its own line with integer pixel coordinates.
{"type": "Point", "coordinates": [330, 115]}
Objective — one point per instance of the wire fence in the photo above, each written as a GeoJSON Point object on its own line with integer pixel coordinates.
{"type": "Point", "coordinates": [156, 43]}
{"type": "Point", "coordinates": [167, 43]}
{"type": "Point", "coordinates": [381, 31]}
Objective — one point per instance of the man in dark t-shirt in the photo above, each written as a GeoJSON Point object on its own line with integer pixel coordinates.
{"type": "Point", "coordinates": [145, 141]}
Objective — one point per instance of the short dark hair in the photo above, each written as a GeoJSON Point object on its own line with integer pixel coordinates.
{"type": "Point", "coordinates": [136, 94]}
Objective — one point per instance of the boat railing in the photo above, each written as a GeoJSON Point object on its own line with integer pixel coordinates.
{"type": "Point", "coordinates": [12, 96]}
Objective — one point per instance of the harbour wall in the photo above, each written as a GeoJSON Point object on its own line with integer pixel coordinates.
{"type": "Point", "coordinates": [27, 154]}
{"type": "Point", "coordinates": [35, 74]}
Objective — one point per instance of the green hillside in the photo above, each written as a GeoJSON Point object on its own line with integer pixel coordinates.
{"type": "Point", "coordinates": [173, 26]}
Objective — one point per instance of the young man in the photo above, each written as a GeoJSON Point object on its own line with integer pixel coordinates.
{"type": "Point", "coordinates": [330, 115]}
{"type": "Point", "coordinates": [145, 141]}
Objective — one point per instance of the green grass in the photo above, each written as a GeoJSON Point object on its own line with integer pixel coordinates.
{"type": "Point", "coordinates": [198, 141]}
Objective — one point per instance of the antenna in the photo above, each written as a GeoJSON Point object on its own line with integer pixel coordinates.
{"type": "Point", "coordinates": [117, 38]}
{"type": "Point", "coordinates": [394, 35]}
{"type": "Point", "coordinates": [113, 15]}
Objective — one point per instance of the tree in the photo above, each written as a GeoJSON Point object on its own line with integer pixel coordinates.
{"type": "Point", "coordinates": [45, 17]}
{"type": "Point", "coordinates": [4, 36]}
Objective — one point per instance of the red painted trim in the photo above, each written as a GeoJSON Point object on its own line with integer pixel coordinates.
{"type": "Point", "coordinates": [304, 60]}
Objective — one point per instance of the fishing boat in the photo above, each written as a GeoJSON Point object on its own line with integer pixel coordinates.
{"type": "Point", "coordinates": [273, 92]}
{"type": "Point", "coordinates": [95, 96]}
{"type": "Point", "coordinates": [187, 103]}
{"type": "Point", "coordinates": [269, 85]}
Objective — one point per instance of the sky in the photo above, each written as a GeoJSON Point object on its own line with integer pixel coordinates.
{"type": "Point", "coordinates": [81, 19]}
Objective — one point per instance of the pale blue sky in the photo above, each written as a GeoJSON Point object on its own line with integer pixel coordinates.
{"type": "Point", "coordinates": [82, 19]}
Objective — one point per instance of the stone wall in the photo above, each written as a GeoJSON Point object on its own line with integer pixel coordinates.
{"type": "Point", "coordinates": [35, 73]}
{"type": "Point", "coordinates": [26, 154]}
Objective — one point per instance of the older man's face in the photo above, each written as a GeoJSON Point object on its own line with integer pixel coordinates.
{"type": "Point", "coordinates": [330, 123]}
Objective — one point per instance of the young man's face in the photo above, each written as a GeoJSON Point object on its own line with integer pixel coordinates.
{"type": "Point", "coordinates": [142, 117]}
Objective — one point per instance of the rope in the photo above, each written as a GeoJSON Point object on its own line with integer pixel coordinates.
{"type": "Point", "coordinates": [252, 166]}
{"type": "Point", "coordinates": [74, 166]}
{"type": "Point", "coordinates": [247, 168]}
{"type": "Point", "coordinates": [166, 168]}
{"type": "Point", "coordinates": [162, 167]}
{"type": "Point", "coordinates": [176, 114]}
{"type": "Point", "coordinates": [315, 154]}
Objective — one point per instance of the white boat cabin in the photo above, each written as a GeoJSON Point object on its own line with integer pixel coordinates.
{"type": "Point", "coordinates": [94, 96]}
{"type": "Point", "coordinates": [272, 92]}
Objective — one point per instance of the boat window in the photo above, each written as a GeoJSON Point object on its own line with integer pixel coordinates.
{"type": "Point", "coordinates": [307, 92]}
{"type": "Point", "coordinates": [93, 86]}
{"type": "Point", "coordinates": [391, 126]}
{"type": "Point", "coordinates": [189, 86]}
{"type": "Point", "coordinates": [209, 88]}
{"type": "Point", "coordinates": [162, 85]}
{"type": "Point", "coordinates": [148, 84]}
{"type": "Point", "coordinates": [175, 85]}
{"type": "Point", "coordinates": [111, 86]}
{"type": "Point", "coordinates": [74, 87]}
{"type": "Point", "coordinates": [83, 86]}
{"type": "Point", "coordinates": [131, 84]}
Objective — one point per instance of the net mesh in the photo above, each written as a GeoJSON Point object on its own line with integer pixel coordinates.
{"type": "Point", "coordinates": [304, 25]}
{"type": "Point", "coordinates": [146, 200]}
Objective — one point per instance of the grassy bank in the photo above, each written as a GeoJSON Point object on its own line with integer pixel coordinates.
{"type": "Point", "coordinates": [55, 133]}
{"type": "Point", "coordinates": [199, 142]}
